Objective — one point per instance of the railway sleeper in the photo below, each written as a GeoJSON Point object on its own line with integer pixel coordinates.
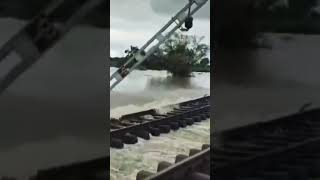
{"type": "Point", "coordinates": [130, 136]}
{"type": "Point", "coordinates": [142, 134]}
{"type": "Point", "coordinates": [200, 171]}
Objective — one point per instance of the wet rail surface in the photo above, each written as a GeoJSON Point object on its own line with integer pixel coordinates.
{"type": "Point", "coordinates": [128, 128]}
{"type": "Point", "coordinates": [131, 126]}
{"type": "Point", "coordinates": [196, 166]}
{"type": "Point", "coordinates": [284, 148]}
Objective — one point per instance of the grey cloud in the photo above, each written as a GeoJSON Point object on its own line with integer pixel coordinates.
{"type": "Point", "coordinates": [169, 7]}
{"type": "Point", "coordinates": [131, 18]}
{"type": "Point", "coordinates": [143, 10]}
{"type": "Point", "coordinates": [131, 10]}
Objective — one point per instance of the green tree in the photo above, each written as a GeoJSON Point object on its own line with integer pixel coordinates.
{"type": "Point", "coordinates": [182, 52]}
{"type": "Point", "coordinates": [204, 62]}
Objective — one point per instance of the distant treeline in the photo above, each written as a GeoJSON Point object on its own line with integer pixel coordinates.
{"type": "Point", "coordinates": [157, 63]}
{"type": "Point", "coordinates": [180, 55]}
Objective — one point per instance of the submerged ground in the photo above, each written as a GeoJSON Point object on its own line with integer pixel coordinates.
{"type": "Point", "coordinates": [154, 89]}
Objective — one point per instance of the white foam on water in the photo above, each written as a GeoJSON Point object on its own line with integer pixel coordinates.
{"type": "Point", "coordinates": [148, 117]}
{"type": "Point", "coordinates": [162, 106]}
{"type": "Point", "coordinates": [166, 109]}
{"type": "Point", "coordinates": [144, 90]}
{"type": "Point", "coordinates": [146, 154]}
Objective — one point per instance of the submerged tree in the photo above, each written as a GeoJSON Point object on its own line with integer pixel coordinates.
{"type": "Point", "coordinates": [179, 55]}
{"type": "Point", "coordinates": [204, 62]}
{"type": "Point", "coordinates": [182, 52]}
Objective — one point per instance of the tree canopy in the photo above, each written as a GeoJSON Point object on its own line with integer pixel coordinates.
{"type": "Point", "coordinates": [182, 52]}
{"type": "Point", "coordinates": [180, 55]}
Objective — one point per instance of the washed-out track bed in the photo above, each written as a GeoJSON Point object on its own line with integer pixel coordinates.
{"type": "Point", "coordinates": [135, 125]}
{"type": "Point", "coordinates": [195, 166]}
{"type": "Point", "coordinates": [128, 128]}
{"type": "Point", "coordinates": [286, 148]}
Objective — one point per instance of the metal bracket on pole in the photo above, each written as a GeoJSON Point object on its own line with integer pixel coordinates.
{"type": "Point", "coordinates": [181, 16]}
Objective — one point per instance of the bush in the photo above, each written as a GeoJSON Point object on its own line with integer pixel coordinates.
{"type": "Point", "coordinates": [179, 55]}
{"type": "Point", "coordinates": [178, 65]}
{"type": "Point", "coordinates": [182, 53]}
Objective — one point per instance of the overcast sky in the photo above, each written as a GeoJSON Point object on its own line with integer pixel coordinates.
{"type": "Point", "coordinates": [133, 22]}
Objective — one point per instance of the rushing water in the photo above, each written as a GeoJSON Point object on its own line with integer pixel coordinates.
{"type": "Point", "coordinates": [125, 163]}
{"type": "Point", "coordinates": [54, 114]}
{"type": "Point", "coordinates": [154, 89]}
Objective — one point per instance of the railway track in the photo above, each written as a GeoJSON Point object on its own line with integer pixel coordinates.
{"type": "Point", "coordinates": [285, 148]}
{"type": "Point", "coordinates": [128, 128]}
{"type": "Point", "coordinates": [196, 166]}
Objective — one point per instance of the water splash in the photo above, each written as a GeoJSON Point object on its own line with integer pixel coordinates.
{"type": "Point", "coordinates": [145, 155]}
{"type": "Point", "coordinates": [144, 90]}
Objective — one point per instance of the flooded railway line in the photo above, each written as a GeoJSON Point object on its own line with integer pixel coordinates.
{"type": "Point", "coordinates": [284, 148]}
{"type": "Point", "coordinates": [182, 115]}
{"type": "Point", "coordinates": [196, 166]}
{"type": "Point", "coordinates": [128, 128]}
